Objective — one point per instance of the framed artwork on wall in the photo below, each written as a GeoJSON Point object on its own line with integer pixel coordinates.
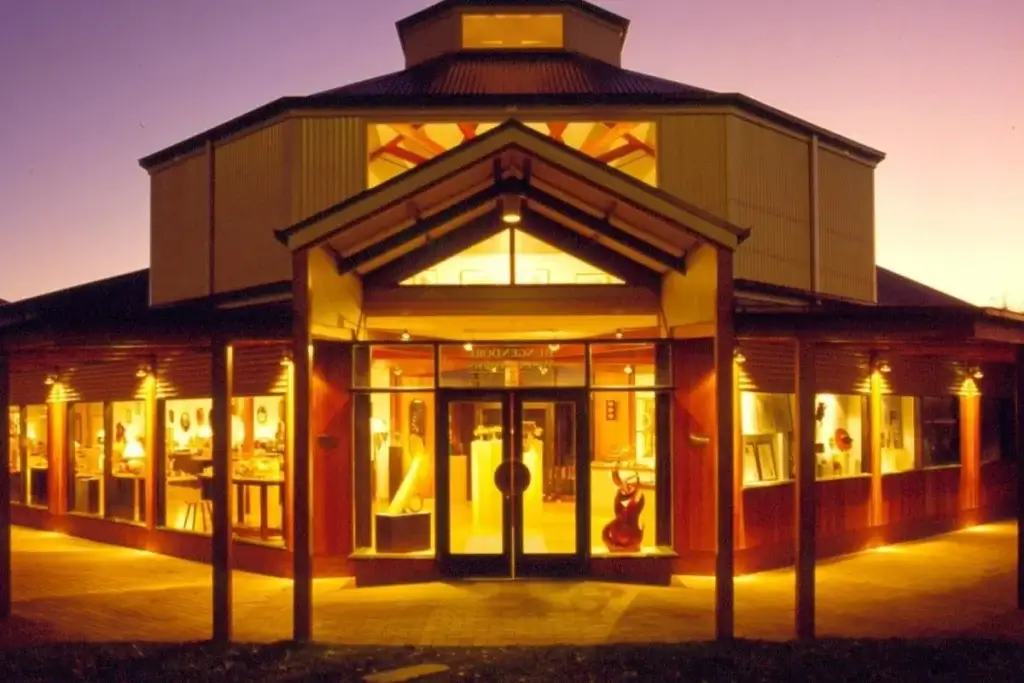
{"type": "Point", "coordinates": [766, 461]}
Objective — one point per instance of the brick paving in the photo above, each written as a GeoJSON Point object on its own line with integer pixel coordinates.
{"type": "Point", "coordinates": [962, 583]}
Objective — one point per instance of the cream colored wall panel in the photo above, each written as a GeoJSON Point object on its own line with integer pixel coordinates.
{"type": "Point", "coordinates": [769, 192]}
{"type": "Point", "coordinates": [251, 201]}
{"type": "Point", "coordinates": [692, 159]}
{"type": "Point", "coordinates": [179, 249]}
{"type": "Point", "coordinates": [688, 301]}
{"type": "Point", "coordinates": [329, 163]}
{"type": "Point", "coordinates": [336, 306]}
{"type": "Point", "coordinates": [846, 192]}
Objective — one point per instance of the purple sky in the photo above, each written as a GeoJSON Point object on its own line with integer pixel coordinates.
{"type": "Point", "coordinates": [89, 86]}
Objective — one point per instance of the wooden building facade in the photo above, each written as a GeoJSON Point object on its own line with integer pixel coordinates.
{"type": "Point", "coordinates": [630, 330]}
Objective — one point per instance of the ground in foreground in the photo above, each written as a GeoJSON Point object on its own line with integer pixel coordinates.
{"type": "Point", "coordinates": [831, 660]}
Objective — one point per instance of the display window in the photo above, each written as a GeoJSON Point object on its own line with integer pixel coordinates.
{"type": "Point", "coordinates": [86, 458]}
{"type": "Point", "coordinates": [940, 431]}
{"type": "Point", "coordinates": [395, 502]}
{"type": "Point", "coordinates": [624, 469]}
{"type": "Point", "coordinates": [841, 433]}
{"type": "Point", "coordinates": [36, 455]}
{"type": "Point", "coordinates": [15, 465]}
{"type": "Point", "coordinates": [766, 430]}
{"type": "Point", "coordinates": [997, 431]}
{"type": "Point", "coordinates": [259, 438]}
{"type": "Point", "coordinates": [188, 471]}
{"type": "Point", "coordinates": [898, 434]}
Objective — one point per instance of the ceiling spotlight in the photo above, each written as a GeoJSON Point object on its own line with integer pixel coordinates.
{"type": "Point", "coordinates": [511, 209]}
{"type": "Point", "coordinates": [406, 336]}
{"type": "Point", "coordinates": [468, 346]}
{"type": "Point", "coordinates": [618, 333]}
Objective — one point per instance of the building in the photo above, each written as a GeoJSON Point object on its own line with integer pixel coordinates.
{"type": "Point", "coordinates": [513, 311]}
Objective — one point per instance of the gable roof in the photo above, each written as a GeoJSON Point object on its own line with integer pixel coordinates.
{"type": "Point", "coordinates": [502, 79]}
{"type": "Point", "coordinates": [897, 290]}
{"type": "Point", "coordinates": [676, 224]}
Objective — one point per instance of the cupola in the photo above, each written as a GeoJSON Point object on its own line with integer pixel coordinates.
{"type": "Point", "coordinates": [513, 25]}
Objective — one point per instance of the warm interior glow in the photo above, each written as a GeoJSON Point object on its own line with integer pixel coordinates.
{"type": "Point", "coordinates": [512, 31]}
{"type": "Point", "coordinates": [490, 263]}
{"type": "Point", "coordinates": [394, 148]}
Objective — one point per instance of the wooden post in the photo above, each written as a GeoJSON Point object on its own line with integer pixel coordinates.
{"type": "Point", "coordinates": [302, 538]}
{"type": "Point", "coordinates": [220, 419]}
{"type": "Point", "coordinates": [153, 466]}
{"type": "Point", "coordinates": [805, 489]}
{"type": "Point", "coordinates": [725, 557]}
{"type": "Point", "coordinates": [1019, 437]}
{"type": "Point", "coordinates": [5, 487]}
{"type": "Point", "coordinates": [970, 457]}
{"type": "Point", "coordinates": [875, 423]}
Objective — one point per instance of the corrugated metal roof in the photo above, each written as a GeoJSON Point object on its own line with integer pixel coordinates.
{"type": "Point", "coordinates": [898, 290]}
{"type": "Point", "coordinates": [514, 72]}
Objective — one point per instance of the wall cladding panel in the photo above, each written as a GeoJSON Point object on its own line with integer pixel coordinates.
{"type": "Point", "coordinates": [769, 192]}
{"type": "Point", "coordinates": [847, 225]}
{"type": "Point", "coordinates": [692, 160]}
{"type": "Point", "coordinates": [329, 163]}
{"type": "Point", "coordinates": [179, 252]}
{"type": "Point", "coordinates": [252, 201]}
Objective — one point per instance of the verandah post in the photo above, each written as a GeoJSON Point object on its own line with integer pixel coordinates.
{"type": "Point", "coordinates": [5, 487]}
{"type": "Point", "coordinates": [222, 372]}
{"type": "Point", "coordinates": [805, 490]}
{"type": "Point", "coordinates": [302, 537]}
{"type": "Point", "coordinates": [725, 499]}
{"type": "Point", "coordinates": [1019, 438]}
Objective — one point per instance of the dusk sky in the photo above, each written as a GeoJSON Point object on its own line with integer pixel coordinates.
{"type": "Point", "coordinates": [89, 86]}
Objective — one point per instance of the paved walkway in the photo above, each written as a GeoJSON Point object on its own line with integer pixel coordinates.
{"type": "Point", "coordinates": [67, 588]}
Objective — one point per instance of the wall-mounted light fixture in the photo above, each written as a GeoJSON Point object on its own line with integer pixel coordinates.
{"type": "Point", "coordinates": [880, 365]}
{"type": "Point", "coordinates": [628, 370]}
{"type": "Point", "coordinates": [468, 346]}
{"type": "Point", "coordinates": [554, 347]}
{"type": "Point", "coordinates": [511, 209]}
{"type": "Point", "coordinates": [286, 358]}
{"type": "Point", "coordinates": [143, 371]}
{"type": "Point", "coordinates": [406, 336]}
{"type": "Point", "coordinates": [977, 373]}
{"type": "Point", "coordinates": [618, 333]}
{"type": "Point", "coordinates": [52, 377]}
{"type": "Point", "coordinates": [737, 355]}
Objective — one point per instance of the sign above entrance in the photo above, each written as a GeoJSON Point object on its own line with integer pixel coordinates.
{"type": "Point", "coordinates": [513, 365]}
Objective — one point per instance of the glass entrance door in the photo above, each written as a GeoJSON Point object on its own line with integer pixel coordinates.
{"type": "Point", "coordinates": [510, 502]}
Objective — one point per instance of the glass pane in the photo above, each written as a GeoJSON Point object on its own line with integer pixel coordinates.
{"type": "Point", "coordinates": [766, 427]}
{"type": "Point", "coordinates": [189, 468]}
{"type": "Point", "coordinates": [475, 433]}
{"type": "Point", "coordinates": [623, 505]}
{"type": "Point", "coordinates": [259, 432]}
{"type": "Point", "coordinates": [37, 456]}
{"type": "Point", "coordinates": [630, 365]}
{"type": "Point", "coordinates": [539, 263]}
{"type": "Point", "coordinates": [486, 263]}
{"type": "Point", "coordinates": [14, 435]}
{"type": "Point", "coordinates": [940, 431]}
{"type": "Point", "coordinates": [398, 366]}
{"type": "Point", "coordinates": [898, 434]}
{"type": "Point", "coordinates": [549, 453]}
{"type": "Point", "coordinates": [86, 458]}
{"type": "Point", "coordinates": [507, 365]}
{"type": "Point", "coordinates": [997, 432]}
{"type": "Point", "coordinates": [394, 473]}
{"type": "Point", "coordinates": [840, 434]}
{"type": "Point", "coordinates": [125, 492]}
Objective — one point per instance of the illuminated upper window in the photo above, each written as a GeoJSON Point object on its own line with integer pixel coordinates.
{"type": "Point", "coordinates": [512, 31]}
{"type": "Point", "coordinates": [536, 263]}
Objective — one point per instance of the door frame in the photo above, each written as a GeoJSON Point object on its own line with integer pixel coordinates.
{"type": "Point", "coordinates": [512, 562]}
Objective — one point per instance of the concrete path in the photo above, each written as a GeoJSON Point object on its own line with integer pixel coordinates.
{"type": "Point", "coordinates": [961, 583]}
